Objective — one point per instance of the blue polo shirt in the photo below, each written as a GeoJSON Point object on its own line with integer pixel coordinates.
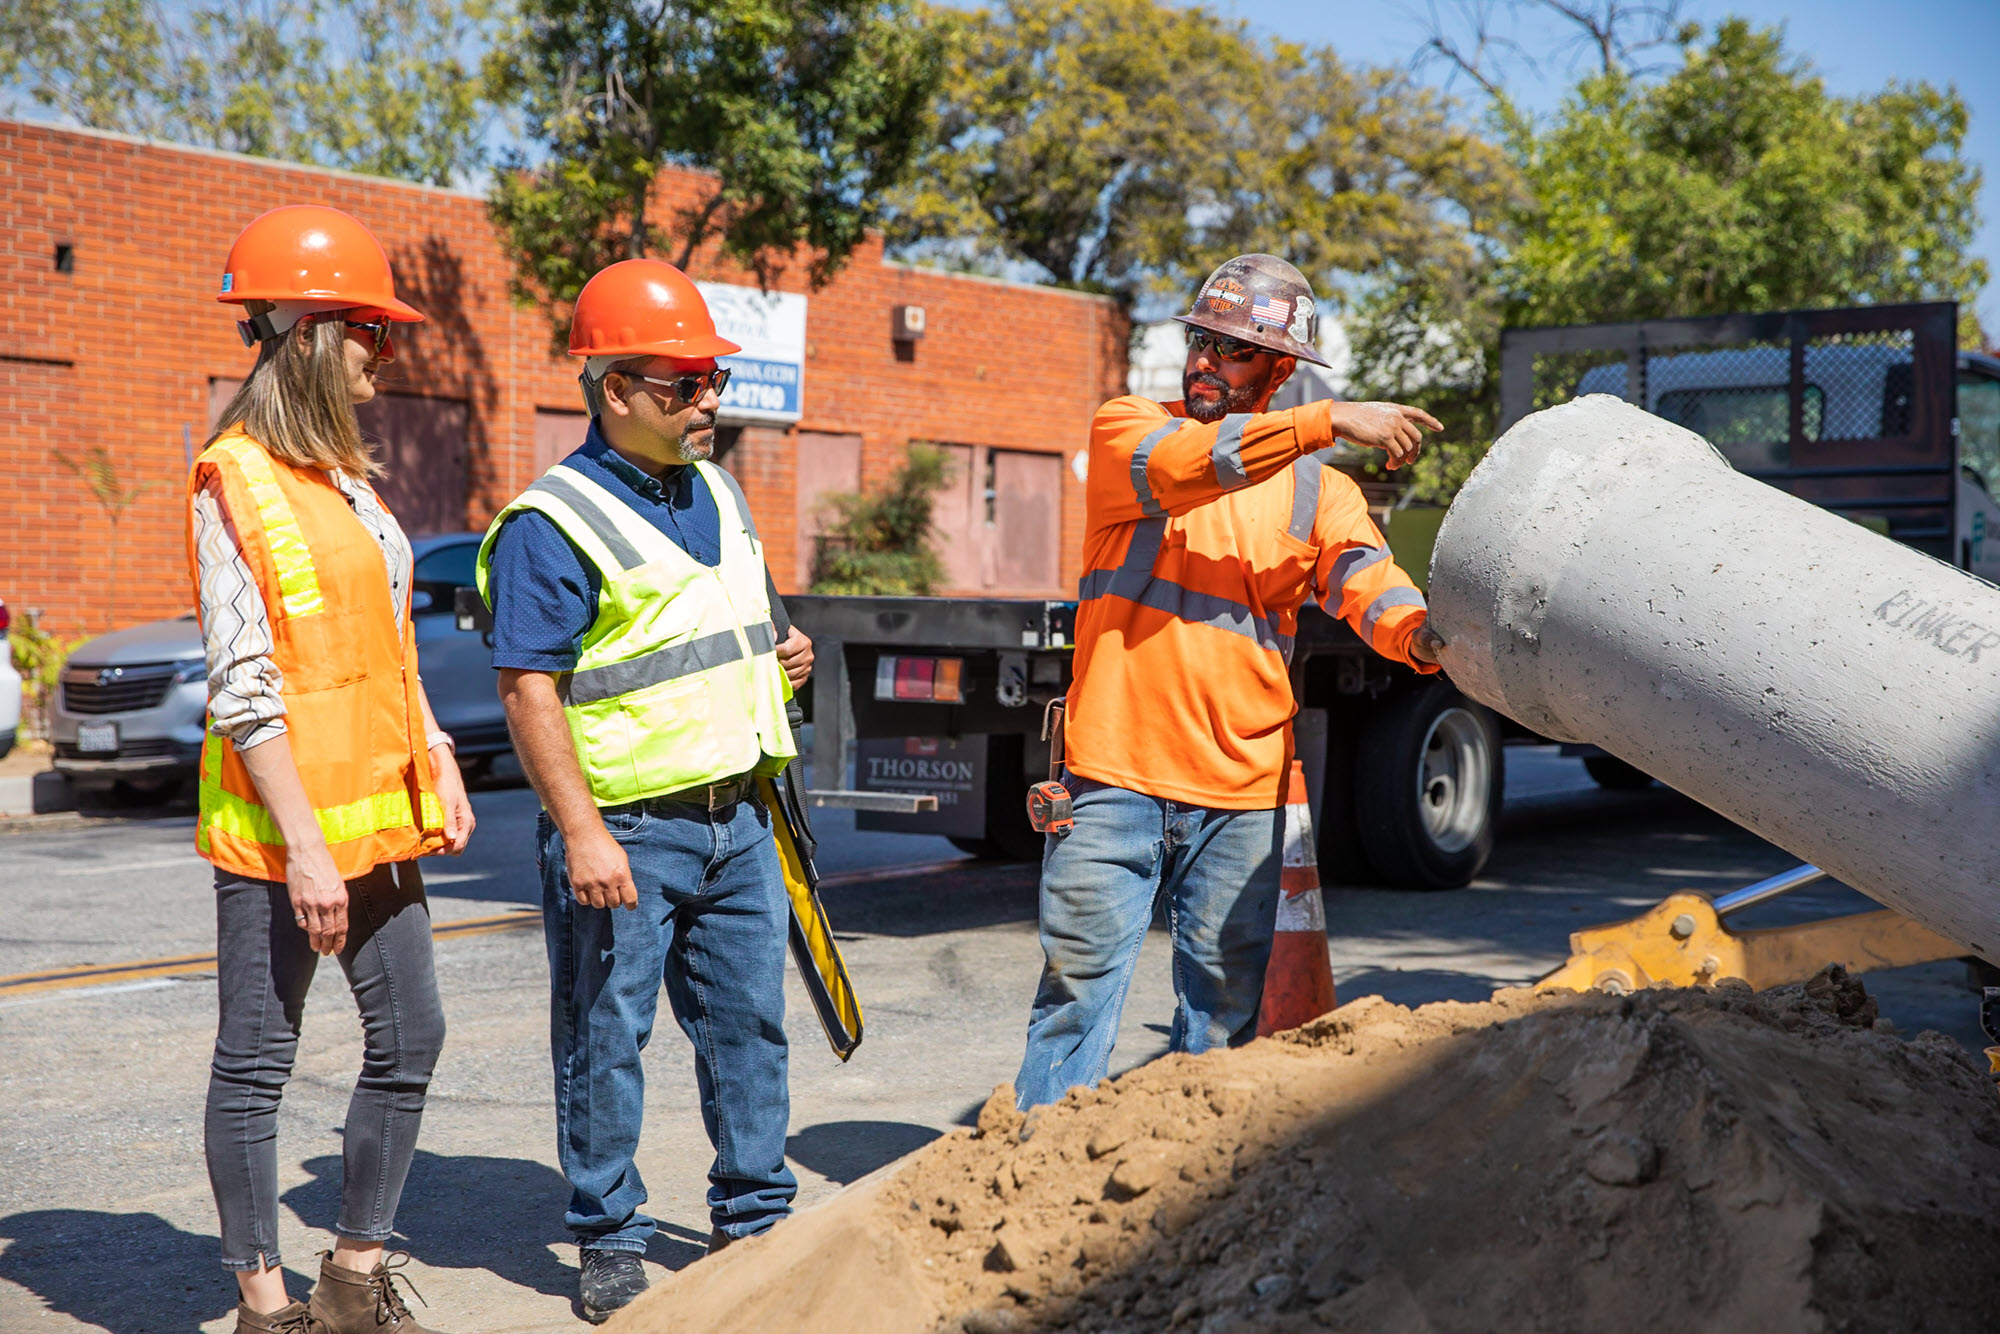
{"type": "Point", "coordinates": [545, 591]}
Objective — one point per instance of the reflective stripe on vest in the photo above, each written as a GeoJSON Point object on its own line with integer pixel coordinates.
{"type": "Point", "coordinates": [298, 581]}
{"type": "Point", "coordinates": [223, 812]}
{"type": "Point", "coordinates": [677, 683]}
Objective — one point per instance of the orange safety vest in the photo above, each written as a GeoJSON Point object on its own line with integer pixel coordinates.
{"type": "Point", "coordinates": [352, 703]}
{"type": "Point", "coordinates": [1200, 544]}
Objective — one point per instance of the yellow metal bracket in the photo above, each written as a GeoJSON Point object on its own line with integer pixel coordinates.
{"type": "Point", "coordinates": [1684, 941]}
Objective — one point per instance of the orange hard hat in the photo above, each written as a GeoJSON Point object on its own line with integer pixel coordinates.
{"type": "Point", "coordinates": [308, 252]}
{"type": "Point", "coordinates": [644, 308]}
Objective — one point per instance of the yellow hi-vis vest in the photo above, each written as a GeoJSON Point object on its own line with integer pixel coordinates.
{"type": "Point", "coordinates": [678, 682]}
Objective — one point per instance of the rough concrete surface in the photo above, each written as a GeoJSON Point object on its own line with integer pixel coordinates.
{"type": "Point", "coordinates": [105, 1216]}
{"type": "Point", "coordinates": [1711, 1159]}
{"type": "Point", "coordinates": [1606, 577]}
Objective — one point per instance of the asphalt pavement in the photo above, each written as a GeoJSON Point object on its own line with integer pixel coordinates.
{"type": "Point", "coordinates": [105, 1217]}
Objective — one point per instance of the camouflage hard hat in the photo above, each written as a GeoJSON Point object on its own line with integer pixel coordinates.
{"type": "Point", "coordinates": [1263, 300]}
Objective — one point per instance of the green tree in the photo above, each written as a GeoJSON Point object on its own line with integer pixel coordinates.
{"type": "Point", "coordinates": [804, 111]}
{"type": "Point", "coordinates": [1129, 146]}
{"type": "Point", "coordinates": [386, 87]}
{"type": "Point", "coordinates": [1740, 183]}
{"type": "Point", "coordinates": [880, 542]}
{"type": "Point", "coordinates": [1733, 181]}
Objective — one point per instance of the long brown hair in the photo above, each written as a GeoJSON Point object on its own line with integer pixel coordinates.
{"type": "Point", "coordinates": [295, 402]}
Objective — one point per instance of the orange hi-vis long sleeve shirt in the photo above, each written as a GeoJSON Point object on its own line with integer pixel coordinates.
{"type": "Point", "coordinates": [1201, 542]}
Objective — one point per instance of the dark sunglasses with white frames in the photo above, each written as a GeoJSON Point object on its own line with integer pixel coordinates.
{"type": "Point", "coordinates": [688, 389]}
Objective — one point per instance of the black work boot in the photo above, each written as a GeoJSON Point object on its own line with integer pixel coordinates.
{"type": "Point", "coordinates": [717, 1239]}
{"type": "Point", "coordinates": [293, 1319]}
{"type": "Point", "coordinates": [609, 1281]}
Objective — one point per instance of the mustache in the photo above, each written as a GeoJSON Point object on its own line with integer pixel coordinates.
{"type": "Point", "coordinates": [703, 422]}
{"type": "Point", "coordinates": [1208, 380]}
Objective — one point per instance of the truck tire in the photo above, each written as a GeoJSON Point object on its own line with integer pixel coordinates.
{"type": "Point", "coordinates": [1608, 771]}
{"type": "Point", "coordinates": [1428, 783]}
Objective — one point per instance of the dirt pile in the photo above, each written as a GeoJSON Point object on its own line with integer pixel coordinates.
{"type": "Point", "coordinates": [1709, 1159]}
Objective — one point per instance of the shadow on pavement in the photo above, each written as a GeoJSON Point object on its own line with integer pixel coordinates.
{"type": "Point", "coordinates": [844, 1151]}
{"type": "Point", "coordinates": [465, 1212]}
{"type": "Point", "coordinates": [126, 1273]}
{"type": "Point", "coordinates": [1416, 986]}
{"type": "Point", "coordinates": [962, 899]}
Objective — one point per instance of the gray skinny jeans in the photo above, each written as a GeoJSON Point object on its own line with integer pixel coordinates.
{"type": "Point", "coordinates": [264, 965]}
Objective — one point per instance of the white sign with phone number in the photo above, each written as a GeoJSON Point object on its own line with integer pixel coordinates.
{"type": "Point", "coordinates": [767, 378]}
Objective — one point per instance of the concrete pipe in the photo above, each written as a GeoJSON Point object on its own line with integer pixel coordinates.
{"type": "Point", "coordinates": [1606, 577]}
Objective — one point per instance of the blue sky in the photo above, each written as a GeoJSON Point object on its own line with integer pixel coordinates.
{"type": "Point", "coordinates": [1857, 46]}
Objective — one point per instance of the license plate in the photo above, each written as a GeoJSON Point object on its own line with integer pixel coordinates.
{"type": "Point", "coordinates": [97, 738]}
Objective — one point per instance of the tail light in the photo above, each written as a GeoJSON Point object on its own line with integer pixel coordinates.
{"type": "Point", "coordinates": [5, 618]}
{"type": "Point", "coordinates": [927, 680]}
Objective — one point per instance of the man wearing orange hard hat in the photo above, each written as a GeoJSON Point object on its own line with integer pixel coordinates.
{"type": "Point", "coordinates": [646, 692]}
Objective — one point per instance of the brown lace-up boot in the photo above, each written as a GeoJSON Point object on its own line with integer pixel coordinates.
{"type": "Point", "coordinates": [293, 1319]}
{"type": "Point", "coordinates": [351, 1302]}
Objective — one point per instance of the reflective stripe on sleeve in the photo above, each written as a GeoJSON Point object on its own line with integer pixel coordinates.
{"type": "Point", "coordinates": [650, 669]}
{"type": "Point", "coordinates": [763, 638]}
{"type": "Point", "coordinates": [298, 581]}
{"type": "Point", "coordinates": [1141, 487]}
{"type": "Point", "coordinates": [1395, 597]}
{"type": "Point", "coordinates": [561, 488]}
{"type": "Point", "coordinates": [1228, 452]}
{"type": "Point", "coordinates": [1352, 562]}
{"type": "Point", "coordinates": [1305, 498]}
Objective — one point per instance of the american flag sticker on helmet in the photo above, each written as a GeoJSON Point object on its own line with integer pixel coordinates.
{"type": "Point", "coordinates": [1271, 310]}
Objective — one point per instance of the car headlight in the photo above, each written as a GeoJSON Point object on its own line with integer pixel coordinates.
{"type": "Point", "coordinates": [191, 671]}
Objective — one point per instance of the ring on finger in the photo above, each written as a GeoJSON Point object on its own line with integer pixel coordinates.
{"type": "Point", "coordinates": [300, 917]}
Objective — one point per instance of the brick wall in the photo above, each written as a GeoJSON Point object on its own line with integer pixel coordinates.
{"type": "Point", "coordinates": [120, 353]}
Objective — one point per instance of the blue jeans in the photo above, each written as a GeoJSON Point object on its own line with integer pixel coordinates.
{"type": "Point", "coordinates": [1219, 871]}
{"type": "Point", "coordinates": [711, 922]}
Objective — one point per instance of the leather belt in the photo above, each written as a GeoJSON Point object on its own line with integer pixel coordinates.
{"type": "Point", "coordinates": [713, 796]}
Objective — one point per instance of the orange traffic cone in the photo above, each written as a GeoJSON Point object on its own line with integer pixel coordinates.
{"type": "Point", "coordinates": [1298, 984]}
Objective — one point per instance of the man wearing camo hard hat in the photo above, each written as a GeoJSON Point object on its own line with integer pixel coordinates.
{"type": "Point", "coordinates": [1208, 522]}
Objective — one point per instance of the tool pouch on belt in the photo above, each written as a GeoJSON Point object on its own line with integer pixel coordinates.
{"type": "Point", "coordinates": [814, 949]}
{"type": "Point", "coordinates": [1050, 809]}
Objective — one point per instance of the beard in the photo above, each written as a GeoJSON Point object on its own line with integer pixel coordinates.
{"type": "Point", "coordinates": [697, 442]}
{"type": "Point", "coordinates": [1241, 399]}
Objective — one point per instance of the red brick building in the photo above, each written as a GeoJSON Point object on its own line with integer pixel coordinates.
{"type": "Point", "coordinates": [110, 253]}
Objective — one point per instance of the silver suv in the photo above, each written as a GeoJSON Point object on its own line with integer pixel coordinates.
{"type": "Point", "coordinates": [133, 703]}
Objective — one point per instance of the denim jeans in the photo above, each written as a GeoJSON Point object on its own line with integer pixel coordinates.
{"type": "Point", "coordinates": [711, 922]}
{"type": "Point", "coordinates": [264, 964]}
{"type": "Point", "coordinates": [1219, 872]}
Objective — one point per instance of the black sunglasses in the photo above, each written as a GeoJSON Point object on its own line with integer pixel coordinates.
{"type": "Point", "coordinates": [1225, 347]}
{"type": "Point", "coordinates": [688, 388]}
{"type": "Point", "coordinates": [379, 328]}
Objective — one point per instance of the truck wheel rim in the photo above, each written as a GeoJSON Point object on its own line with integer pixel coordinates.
{"type": "Point", "coordinates": [1454, 780]}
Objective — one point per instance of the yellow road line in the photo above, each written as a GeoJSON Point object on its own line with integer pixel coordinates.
{"type": "Point", "coordinates": [93, 975]}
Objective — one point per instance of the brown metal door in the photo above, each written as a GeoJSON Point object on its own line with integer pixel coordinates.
{"type": "Point", "coordinates": [823, 464]}
{"type": "Point", "coordinates": [957, 522]}
{"type": "Point", "coordinates": [558, 434]}
{"type": "Point", "coordinates": [421, 442]}
{"type": "Point", "coordinates": [1024, 536]}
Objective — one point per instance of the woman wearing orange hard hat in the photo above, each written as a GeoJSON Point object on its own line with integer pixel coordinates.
{"type": "Point", "coordinates": [324, 775]}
